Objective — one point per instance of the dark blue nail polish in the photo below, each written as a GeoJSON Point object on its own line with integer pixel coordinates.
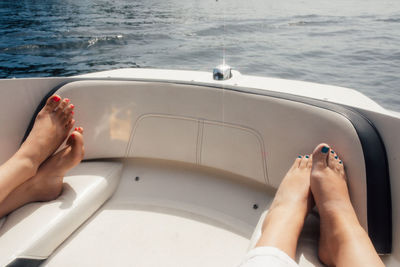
{"type": "Point", "coordinates": [340, 162]}
{"type": "Point", "coordinates": [307, 156]}
{"type": "Point", "coordinates": [336, 157]}
{"type": "Point", "coordinates": [299, 157]}
{"type": "Point", "coordinates": [333, 152]}
{"type": "Point", "coordinates": [324, 149]}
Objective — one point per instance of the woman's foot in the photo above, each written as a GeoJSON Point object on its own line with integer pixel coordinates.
{"type": "Point", "coordinates": [343, 242]}
{"type": "Point", "coordinates": [292, 202]}
{"type": "Point", "coordinates": [52, 125]}
{"type": "Point", "coordinates": [46, 185]}
{"type": "Point", "coordinates": [295, 186]}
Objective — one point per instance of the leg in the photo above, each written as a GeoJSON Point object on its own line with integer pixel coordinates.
{"type": "Point", "coordinates": [343, 242]}
{"type": "Point", "coordinates": [285, 218]}
{"type": "Point", "coordinates": [46, 185]}
{"type": "Point", "coordinates": [51, 127]}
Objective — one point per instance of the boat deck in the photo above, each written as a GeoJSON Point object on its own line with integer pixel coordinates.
{"type": "Point", "coordinates": [170, 214]}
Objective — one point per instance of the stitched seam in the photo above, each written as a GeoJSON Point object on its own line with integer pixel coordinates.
{"type": "Point", "coordinates": [200, 141]}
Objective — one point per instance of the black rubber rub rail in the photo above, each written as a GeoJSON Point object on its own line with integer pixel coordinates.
{"type": "Point", "coordinates": [20, 262]}
{"type": "Point", "coordinates": [379, 204]}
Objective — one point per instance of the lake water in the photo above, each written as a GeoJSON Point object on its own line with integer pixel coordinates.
{"type": "Point", "coordinates": [350, 43]}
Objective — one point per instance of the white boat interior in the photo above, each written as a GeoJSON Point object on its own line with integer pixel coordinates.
{"type": "Point", "coordinates": [180, 168]}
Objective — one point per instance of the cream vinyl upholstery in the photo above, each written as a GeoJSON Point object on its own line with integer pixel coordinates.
{"type": "Point", "coordinates": [35, 230]}
{"type": "Point", "coordinates": [255, 136]}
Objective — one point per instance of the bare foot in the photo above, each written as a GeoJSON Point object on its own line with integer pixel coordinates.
{"type": "Point", "coordinates": [52, 125]}
{"type": "Point", "coordinates": [47, 183]}
{"type": "Point", "coordinates": [295, 186]}
{"type": "Point", "coordinates": [343, 242]}
{"type": "Point", "coordinates": [292, 202]}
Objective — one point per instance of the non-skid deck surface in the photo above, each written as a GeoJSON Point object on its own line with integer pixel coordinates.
{"type": "Point", "coordinates": [143, 238]}
{"type": "Point", "coordinates": [165, 214]}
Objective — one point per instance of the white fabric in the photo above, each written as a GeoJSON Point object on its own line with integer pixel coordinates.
{"type": "Point", "coordinates": [267, 257]}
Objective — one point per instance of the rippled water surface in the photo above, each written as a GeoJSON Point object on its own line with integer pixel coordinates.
{"type": "Point", "coordinates": [351, 43]}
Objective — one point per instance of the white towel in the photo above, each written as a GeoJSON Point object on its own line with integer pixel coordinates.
{"type": "Point", "coordinates": [267, 257]}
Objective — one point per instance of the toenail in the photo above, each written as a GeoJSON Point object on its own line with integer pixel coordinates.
{"type": "Point", "coordinates": [307, 156]}
{"type": "Point", "coordinates": [340, 162]}
{"type": "Point", "coordinates": [56, 98]}
{"type": "Point", "coordinates": [72, 136]}
{"type": "Point", "coordinates": [299, 157]}
{"type": "Point", "coordinates": [67, 100]}
{"type": "Point", "coordinates": [324, 149]}
{"type": "Point", "coordinates": [72, 106]}
{"type": "Point", "coordinates": [76, 128]}
{"type": "Point", "coordinates": [333, 152]}
{"type": "Point", "coordinates": [72, 112]}
{"type": "Point", "coordinates": [336, 157]}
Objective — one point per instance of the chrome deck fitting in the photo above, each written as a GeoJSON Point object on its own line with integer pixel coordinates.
{"type": "Point", "coordinates": [222, 72]}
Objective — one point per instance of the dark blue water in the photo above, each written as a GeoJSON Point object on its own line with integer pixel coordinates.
{"type": "Point", "coordinates": [350, 43]}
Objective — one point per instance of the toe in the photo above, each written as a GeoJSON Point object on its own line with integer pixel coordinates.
{"type": "Point", "coordinates": [338, 166]}
{"type": "Point", "coordinates": [69, 109]}
{"type": "Point", "coordinates": [70, 124]}
{"type": "Point", "coordinates": [77, 144]}
{"type": "Point", "coordinates": [68, 117]}
{"type": "Point", "coordinates": [69, 112]}
{"type": "Point", "coordinates": [52, 103]}
{"type": "Point", "coordinates": [72, 138]}
{"type": "Point", "coordinates": [296, 162]}
{"type": "Point", "coordinates": [304, 161]}
{"type": "Point", "coordinates": [79, 129]}
{"type": "Point", "coordinates": [337, 162]}
{"type": "Point", "coordinates": [320, 156]}
{"type": "Point", "coordinates": [62, 105]}
{"type": "Point", "coordinates": [309, 162]}
{"type": "Point", "coordinates": [341, 168]}
{"type": "Point", "coordinates": [332, 158]}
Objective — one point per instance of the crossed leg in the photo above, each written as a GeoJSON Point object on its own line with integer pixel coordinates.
{"type": "Point", "coordinates": [46, 185]}
{"type": "Point", "coordinates": [33, 173]}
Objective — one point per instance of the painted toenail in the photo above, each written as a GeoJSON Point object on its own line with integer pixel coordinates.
{"type": "Point", "coordinates": [72, 106]}
{"type": "Point", "coordinates": [324, 149]}
{"type": "Point", "coordinates": [72, 136]}
{"type": "Point", "coordinates": [76, 128]}
{"type": "Point", "coordinates": [336, 157]}
{"type": "Point", "coordinates": [56, 98]}
{"type": "Point", "coordinates": [299, 157]}
{"type": "Point", "coordinates": [340, 162]}
{"type": "Point", "coordinates": [72, 112]}
{"type": "Point", "coordinates": [67, 100]}
{"type": "Point", "coordinates": [333, 152]}
{"type": "Point", "coordinates": [307, 156]}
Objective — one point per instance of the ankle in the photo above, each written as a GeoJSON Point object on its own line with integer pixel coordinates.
{"type": "Point", "coordinates": [26, 163]}
{"type": "Point", "coordinates": [286, 214]}
{"type": "Point", "coordinates": [342, 223]}
{"type": "Point", "coordinates": [337, 209]}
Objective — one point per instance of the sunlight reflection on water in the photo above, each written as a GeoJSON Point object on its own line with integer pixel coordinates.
{"type": "Point", "coordinates": [353, 44]}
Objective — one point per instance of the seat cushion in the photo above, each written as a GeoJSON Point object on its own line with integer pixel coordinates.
{"type": "Point", "coordinates": [35, 230]}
